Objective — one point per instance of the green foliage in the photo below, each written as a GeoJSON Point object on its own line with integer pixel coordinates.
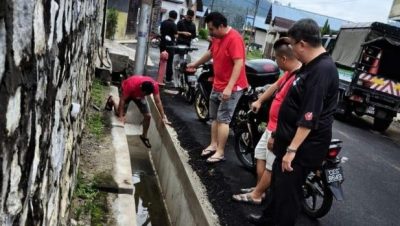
{"type": "Point", "coordinates": [112, 21]}
{"type": "Point", "coordinates": [97, 92]}
{"type": "Point", "coordinates": [203, 33]}
{"type": "Point", "coordinates": [95, 121]}
{"type": "Point", "coordinates": [254, 54]}
{"type": "Point", "coordinates": [326, 29]}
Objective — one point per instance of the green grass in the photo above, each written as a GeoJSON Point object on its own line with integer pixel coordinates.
{"type": "Point", "coordinates": [255, 54]}
{"type": "Point", "coordinates": [97, 93]}
{"type": "Point", "coordinates": [95, 125]}
{"type": "Point", "coordinates": [94, 201]}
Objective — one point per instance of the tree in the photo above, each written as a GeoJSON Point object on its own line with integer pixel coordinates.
{"type": "Point", "coordinates": [326, 30]}
{"type": "Point", "coordinates": [112, 20]}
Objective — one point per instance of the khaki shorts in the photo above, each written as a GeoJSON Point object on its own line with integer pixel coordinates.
{"type": "Point", "coordinates": [262, 153]}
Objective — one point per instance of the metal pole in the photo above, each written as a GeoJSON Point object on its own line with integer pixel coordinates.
{"type": "Point", "coordinates": [144, 22]}
{"type": "Point", "coordinates": [212, 5]}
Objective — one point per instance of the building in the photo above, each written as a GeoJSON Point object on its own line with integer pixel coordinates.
{"type": "Point", "coordinates": [259, 31]}
{"type": "Point", "coordinates": [127, 14]}
{"type": "Point", "coordinates": [200, 17]}
{"type": "Point", "coordinates": [281, 17]}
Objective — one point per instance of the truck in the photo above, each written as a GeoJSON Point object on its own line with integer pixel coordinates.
{"type": "Point", "coordinates": [367, 56]}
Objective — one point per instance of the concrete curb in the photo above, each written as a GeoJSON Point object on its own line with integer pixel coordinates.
{"type": "Point", "coordinates": [124, 206]}
{"type": "Point", "coordinates": [184, 194]}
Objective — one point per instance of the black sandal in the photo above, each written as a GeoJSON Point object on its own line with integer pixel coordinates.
{"type": "Point", "coordinates": [145, 141]}
{"type": "Point", "coordinates": [108, 106]}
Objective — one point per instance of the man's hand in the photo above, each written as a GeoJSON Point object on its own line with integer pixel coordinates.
{"type": "Point", "coordinates": [255, 106]}
{"type": "Point", "coordinates": [287, 161]}
{"type": "Point", "coordinates": [166, 121]}
{"type": "Point", "coordinates": [191, 65]}
{"type": "Point", "coordinates": [185, 33]}
{"type": "Point", "coordinates": [226, 94]}
{"type": "Point", "coordinates": [270, 144]}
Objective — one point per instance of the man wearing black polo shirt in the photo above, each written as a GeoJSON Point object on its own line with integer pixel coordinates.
{"type": "Point", "coordinates": [304, 127]}
{"type": "Point", "coordinates": [169, 28]}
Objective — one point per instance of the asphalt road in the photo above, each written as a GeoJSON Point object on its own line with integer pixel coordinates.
{"type": "Point", "coordinates": [372, 174]}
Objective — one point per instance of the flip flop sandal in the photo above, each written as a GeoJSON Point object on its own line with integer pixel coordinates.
{"type": "Point", "coordinates": [215, 159]}
{"type": "Point", "coordinates": [108, 106]}
{"type": "Point", "coordinates": [247, 190]}
{"type": "Point", "coordinates": [145, 141]}
{"type": "Point", "coordinates": [246, 198]}
{"type": "Point", "coordinates": [207, 152]}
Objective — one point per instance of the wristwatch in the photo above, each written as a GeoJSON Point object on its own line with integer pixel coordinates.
{"type": "Point", "coordinates": [290, 150]}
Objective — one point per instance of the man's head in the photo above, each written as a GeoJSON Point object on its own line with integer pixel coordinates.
{"type": "Point", "coordinates": [147, 88]}
{"type": "Point", "coordinates": [217, 24]}
{"type": "Point", "coordinates": [173, 14]}
{"type": "Point", "coordinates": [189, 15]}
{"type": "Point", "coordinates": [304, 37]}
{"type": "Point", "coordinates": [284, 55]}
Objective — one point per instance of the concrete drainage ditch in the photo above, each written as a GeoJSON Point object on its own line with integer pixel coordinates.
{"type": "Point", "coordinates": [166, 191]}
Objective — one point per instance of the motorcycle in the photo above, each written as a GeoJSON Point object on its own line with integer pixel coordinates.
{"type": "Point", "coordinates": [258, 72]}
{"type": "Point", "coordinates": [184, 78]}
{"type": "Point", "coordinates": [155, 40]}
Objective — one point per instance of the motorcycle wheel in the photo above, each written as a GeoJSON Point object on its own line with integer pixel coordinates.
{"type": "Point", "coordinates": [201, 106]}
{"type": "Point", "coordinates": [317, 197]}
{"type": "Point", "coordinates": [187, 91]}
{"type": "Point", "coordinates": [244, 148]}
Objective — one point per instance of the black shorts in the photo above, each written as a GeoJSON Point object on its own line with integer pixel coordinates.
{"type": "Point", "coordinates": [141, 104]}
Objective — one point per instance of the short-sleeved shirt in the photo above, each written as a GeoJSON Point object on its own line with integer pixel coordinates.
{"type": "Point", "coordinates": [311, 103]}
{"type": "Point", "coordinates": [167, 27]}
{"type": "Point", "coordinates": [188, 26]}
{"type": "Point", "coordinates": [224, 51]}
{"type": "Point", "coordinates": [131, 87]}
{"type": "Point", "coordinates": [284, 84]}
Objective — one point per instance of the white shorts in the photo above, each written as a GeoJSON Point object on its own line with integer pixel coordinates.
{"type": "Point", "coordinates": [262, 153]}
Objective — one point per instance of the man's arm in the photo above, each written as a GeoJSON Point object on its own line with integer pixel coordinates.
{"type": "Point", "coordinates": [121, 105]}
{"type": "Point", "coordinates": [206, 57]}
{"type": "Point", "coordinates": [264, 97]}
{"type": "Point", "coordinates": [299, 137]}
{"type": "Point", "coordinates": [237, 67]}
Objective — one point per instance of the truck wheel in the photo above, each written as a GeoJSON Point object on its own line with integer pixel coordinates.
{"type": "Point", "coordinates": [381, 124]}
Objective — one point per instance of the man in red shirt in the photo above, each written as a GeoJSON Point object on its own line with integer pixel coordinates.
{"type": "Point", "coordinates": [228, 53]}
{"type": "Point", "coordinates": [286, 61]}
{"type": "Point", "coordinates": [135, 89]}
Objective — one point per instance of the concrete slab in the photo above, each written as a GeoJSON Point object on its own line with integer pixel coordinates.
{"type": "Point", "coordinates": [124, 210]}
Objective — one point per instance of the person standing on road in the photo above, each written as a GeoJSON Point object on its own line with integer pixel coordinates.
{"type": "Point", "coordinates": [228, 53]}
{"type": "Point", "coordinates": [136, 88]}
{"type": "Point", "coordinates": [186, 29]}
{"type": "Point", "coordinates": [276, 93]}
{"type": "Point", "coordinates": [169, 28]}
{"type": "Point", "coordinates": [304, 129]}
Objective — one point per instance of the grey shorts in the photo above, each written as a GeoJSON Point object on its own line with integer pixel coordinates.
{"type": "Point", "coordinates": [262, 153]}
{"type": "Point", "coordinates": [222, 111]}
{"type": "Point", "coordinates": [141, 104]}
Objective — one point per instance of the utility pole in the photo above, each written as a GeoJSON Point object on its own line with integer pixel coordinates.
{"type": "Point", "coordinates": [143, 33]}
{"type": "Point", "coordinates": [253, 31]}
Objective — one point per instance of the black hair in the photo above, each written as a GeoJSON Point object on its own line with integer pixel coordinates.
{"type": "Point", "coordinates": [306, 30]}
{"type": "Point", "coordinates": [281, 48]}
{"type": "Point", "coordinates": [147, 87]}
{"type": "Point", "coordinates": [173, 14]}
{"type": "Point", "coordinates": [217, 19]}
{"type": "Point", "coordinates": [190, 12]}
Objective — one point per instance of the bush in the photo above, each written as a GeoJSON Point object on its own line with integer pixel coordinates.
{"type": "Point", "coordinates": [112, 20]}
{"type": "Point", "coordinates": [203, 33]}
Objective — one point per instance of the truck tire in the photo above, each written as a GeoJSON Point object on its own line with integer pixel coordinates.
{"type": "Point", "coordinates": [381, 125]}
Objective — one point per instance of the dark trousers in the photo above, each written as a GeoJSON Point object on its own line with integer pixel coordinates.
{"type": "Point", "coordinates": [170, 71]}
{"type": "Point", "coordinates": [286, 195]}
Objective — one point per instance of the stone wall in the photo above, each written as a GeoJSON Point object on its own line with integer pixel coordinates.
{"type": "Point", "coordinates": [47, 55]}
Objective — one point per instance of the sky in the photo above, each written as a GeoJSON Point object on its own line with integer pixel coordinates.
{"type": "Point", "coordinates": [352, 10]}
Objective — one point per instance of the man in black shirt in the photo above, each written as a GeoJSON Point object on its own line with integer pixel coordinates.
{"type": "Point", "coordinates": [186, 29]}
{"type": "Point", "coordinates": [169, 28]}
{"type": "Point", "coordinates": [304, 127]}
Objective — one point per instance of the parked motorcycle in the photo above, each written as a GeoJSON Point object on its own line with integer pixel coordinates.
{"type": "Point", "coordinates": [259, 73]}
{"type": "Point", "coordinates": [183, 78]}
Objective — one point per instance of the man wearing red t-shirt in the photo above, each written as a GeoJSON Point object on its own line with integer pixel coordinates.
{"type": "Point", "coordinates": [135, 89]}
{"type": "Point", "coordinates": [286, 61]}
{"type": "Point", "coordinates": [228, 53]}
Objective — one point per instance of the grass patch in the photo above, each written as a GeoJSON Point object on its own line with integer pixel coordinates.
{"type": "Point", "coordinates": [93, 202]}
{"type": "Point", "coordinates": [96, 125]}
{"type": "Point", "coordinates": [254, 54]}
{"type": "Point", "coordinates": [97, 92]}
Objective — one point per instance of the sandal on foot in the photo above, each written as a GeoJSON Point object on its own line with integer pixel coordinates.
{"type": "Point", "coordinates": [216, 159]}
{"type": "Point", "coordinates": [207, 152]}
{"type": "Point", "coordinates": [145, 141]}
{"type": "Point", "coordinates": [247, 190]}
{"type": "Point", "coordinates": [108, 106]}
{"type": "Point", "coordinates": [246, 198]}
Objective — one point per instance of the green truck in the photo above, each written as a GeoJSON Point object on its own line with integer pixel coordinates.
{"type": "Point", "coordinates": [368, 59]}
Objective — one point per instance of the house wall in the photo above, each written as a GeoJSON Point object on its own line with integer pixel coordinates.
{"type": "Point", "coordinates": [47, 56]}
{"type": "Point", "coordinates": [260, 38]}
